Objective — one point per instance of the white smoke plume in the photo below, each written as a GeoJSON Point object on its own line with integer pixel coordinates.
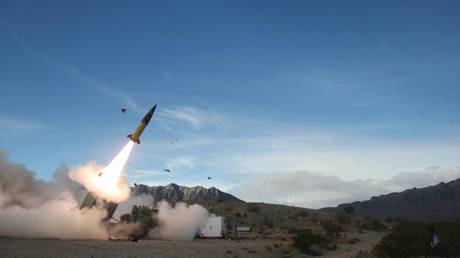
{"type": "Point", "coordinates": [58, 218]}
{"type": "Point", "coordinates": [87, 176]}
{"type": "Point", "coordinates": [106, 183]}
{"type": "Point", "coordinates": [181, 222]}
{"type": "Point", "coordinates": [35, 208]}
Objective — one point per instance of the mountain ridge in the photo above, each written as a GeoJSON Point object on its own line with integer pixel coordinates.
{"type": "Point", "coordinates": [175, 193]}
{"type": "Point", "coordinates": [440, 202]}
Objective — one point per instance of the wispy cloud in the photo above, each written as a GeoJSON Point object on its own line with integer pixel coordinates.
{"type": "Point", "coordinates": [17, 125]}
{"type": "Point", "coordinates": [24, 46]}
{"type": "Point", "coordinates": [139, 174]}
{"type": "Point", "coordinates": [182, 163]}
{"type": "Point", "coordinates": [167, 76]}
{"type": "Point", "coordinates": [247, 148]}
{"type": "Point", "coordinates": [92, 83]}
{"type": "Point", "coordinates": [102, 88]}
{"type": "Point", "coordinates": [356, 160]}
{"type": "Point", "coordinates": [188, 116]}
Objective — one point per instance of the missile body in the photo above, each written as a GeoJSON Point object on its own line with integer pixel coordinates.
{"type": "Point", "coordinates": [145, 121]}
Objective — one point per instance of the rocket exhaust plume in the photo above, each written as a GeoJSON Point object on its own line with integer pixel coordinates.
{"type": "Point", "coordinates": [107, 184]}
{"type": "Point", "coordinates": [30, 207]}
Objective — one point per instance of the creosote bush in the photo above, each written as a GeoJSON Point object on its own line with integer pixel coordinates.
{"type": "Point", "coordinates": [306, 239]}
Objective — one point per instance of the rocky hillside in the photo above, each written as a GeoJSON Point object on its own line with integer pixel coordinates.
{"type": "Point", "coordinates": [174, 193]}
{"type": "Point", "coordinates": [440, 202]}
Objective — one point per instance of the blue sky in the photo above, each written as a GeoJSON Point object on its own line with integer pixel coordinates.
{"type": "Point", "coordinates": [349, 89]}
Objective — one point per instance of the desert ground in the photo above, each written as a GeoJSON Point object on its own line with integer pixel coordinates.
{"type": "Point", "coordinates": [208, 248]}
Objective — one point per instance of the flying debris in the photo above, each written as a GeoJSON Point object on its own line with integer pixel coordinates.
{"type": "Point", "coordinates": [123, 110]}
{"type": "Point", "coordinates": [167, 170]}
{"type": "Point", "coordinates": [145, 121]}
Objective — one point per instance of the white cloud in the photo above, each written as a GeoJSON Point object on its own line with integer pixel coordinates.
{"type": "Point", "coordinates": [139, 173]}
{"type": "Point", "coordinates": [182, 163]}
{"type": "Point", "coordinates": [314, 190]}
{"type": "Point", "coordinates": [249, 148]}
{"type": "Point", "coordinates": [361, 159]}
{"type": "Point", "coordinates": [189, 116]}
{"type": "Point", "coordinates": [114, 94]}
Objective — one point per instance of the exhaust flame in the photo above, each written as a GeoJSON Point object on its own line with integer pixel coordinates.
{"type": "Point", "coordinates": [107, 183]}
{"type": "Point", "coordinates": [109, 176]}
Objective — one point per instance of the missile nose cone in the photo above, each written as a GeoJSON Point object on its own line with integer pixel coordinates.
{"type": "Point", "coordinates": [149, 115]}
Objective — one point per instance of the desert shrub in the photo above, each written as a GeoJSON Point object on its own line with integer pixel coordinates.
{"type": "Point", "coordinates": [253, 208]}
{"type": "Point", "coordinates": [261, 230]}
{"type": "Point", "coordinates": [268, 248]}
{"type": "Point", "coordinates": [303, 213]}
{"type": "Point", "coordinates": [314, 218]}
{"type": "Point", "coordinates": [143, 215]}
{"type": "Point", "coordinates": [349, 210]}
{"type": "Point", "coordinates": [286, 251]}
{"type": "Point", "coordinates": [371, 224]}
{"type": "Point", "coordinates": [354, 240]}
{"type": "Point", "coordinates": [293, 230]}
{"type": "Point", "coordinates": [329, 245]}
{"type": "Point", "coordinates": [126, 218]}
{"type": "Point", "coordinates": [362, 254]}
{"type": "Point", "coordinates": [332, 229]}
{"type": "Point", "coordinates": [305, 239]}
{"type": "Point", "coordinates": [412, 239]}
{"type": "Point", "coordinates": [252, 251]}
{"type": "Point", "coordinates": [343, 218]}
{"type": "Point", "coordinates": [268, 222]}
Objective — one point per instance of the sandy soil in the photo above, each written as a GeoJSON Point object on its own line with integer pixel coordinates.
{"type": "Point", "coordinates": [37, 248]}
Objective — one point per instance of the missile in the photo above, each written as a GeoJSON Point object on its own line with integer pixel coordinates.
{"type": "Point", "coordinates": [145, 121]}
